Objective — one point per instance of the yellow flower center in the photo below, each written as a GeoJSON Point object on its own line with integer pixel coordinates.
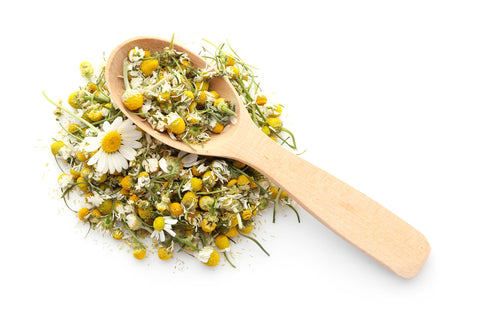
{"type": "Point", "coordinates": [159, 223]}
{"type": "Point", "coordinates": [111, 142]}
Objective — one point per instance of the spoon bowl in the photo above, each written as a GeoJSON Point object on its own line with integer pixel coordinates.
{"type": "Point", "coordinates": [352, 215]}
{"type": "Point", "coordinates": [115, 83]}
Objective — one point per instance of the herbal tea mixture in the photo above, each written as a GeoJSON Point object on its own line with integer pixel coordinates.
{"type": "Point", "coordinates": [173, 95]}
{"type": "Point", "coordinates": [143, 192]}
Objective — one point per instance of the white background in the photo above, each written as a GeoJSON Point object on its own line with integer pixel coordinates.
{"type": "Point", "coordinates": [383, 94]}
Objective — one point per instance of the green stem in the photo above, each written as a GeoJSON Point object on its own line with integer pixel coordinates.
{"type": "Point", "coordinates": [228, 260]}
{"type": "Point", "coordinates": [150, 58]}
{"type": "Point", "coordinates": [71, 186]}
{"type": "Point", "coordinates": [233, 168]}
{"type": "Point", "coordinates": [108, 119]}
{"type": "Point", "coordinates": [70, 133]}
{"type": "Point", "coordinates": [296, 212]}
{"type": "Point", "coordinates": [187, 243]}
{"type": "Point", "coordinates": [228, 111]}
{"type": "Point", "coordinates": [171, 41]}
{"type": "Point", "coordinates": [66, 204]}
{"type": "Point", "coordinates": [254, 240]}
{"type": "Point", "coordinates": [99, 98]}
{"type": "Point", "coordinates": [276, 201]}
{"type": "Point", "coordinates": [284, 141]}
{"type": "Point", "coordinates": [213, 192]}
{"type": "Point", "coordinates": [71, 113]}
{"type": "Point", "coordinates": [179, 190]}
{"type": "Point", "coordinates": [134, 236]}
{"type": "Point", "coordinates": [188, 144]}
{"type": "Point", "coordinates": [291, 135]}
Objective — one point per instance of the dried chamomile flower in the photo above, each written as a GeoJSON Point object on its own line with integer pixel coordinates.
{"type": "Point", "coordinates": [134, 188]}
{"type": "Point", "coordinates": [86, 69]}
{"type": "Point", "coordinates": [176, 95]}
{"type": "Point", "coordinates": [209, 256]}
{"type": "Point", "coordinates": [164, 253]}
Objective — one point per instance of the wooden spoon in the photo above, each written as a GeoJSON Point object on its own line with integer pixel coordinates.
{"type": "Point", "coordinates": [352, 215]}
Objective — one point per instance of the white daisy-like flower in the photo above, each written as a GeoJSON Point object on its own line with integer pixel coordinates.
{"type": "Point", "coordinates": [114, 145]}
{"type": "Point", "coordinates": [159, 235]}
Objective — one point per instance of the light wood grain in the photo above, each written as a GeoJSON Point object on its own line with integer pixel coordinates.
{"type": "Point", "coordinates": [349, 213]}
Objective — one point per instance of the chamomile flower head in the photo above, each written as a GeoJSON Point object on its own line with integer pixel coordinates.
{"type": "Point", "coordinates": [114, 146]}
{"type": "Point", "coordinates": [136, 54]}
{"type": "Point", "coordinates": [171, 165]}
{"type": "Point", "coordinates": [150, 165]}
{"type": "Point", "coordinates": [162, 225]}
{"type": "Point", "coordinates": [132, 99]}
{"type": "Point", "coordinates": [64, 180]}
{"type": "Point", "coordinates": [204, 254]}
{"type": "Point", "coordinates": [208, 256]}
{"type": "Point", "coordinates": [133, 222]}
{"type": "Point", "coordinates": [175, 123]}
{"type": "Point", "coordinates": [95, 199]}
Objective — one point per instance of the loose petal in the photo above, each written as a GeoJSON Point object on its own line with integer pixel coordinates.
{"type": "Point", "coordinates": [188, 159]}
{"type": "Point", "coordinates": [163, 165]}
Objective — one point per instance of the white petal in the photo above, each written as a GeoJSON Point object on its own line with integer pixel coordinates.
{"type": "Point", "coordinates": [128, 122]}
{"type": "Point", "coordinates": [93, 143]}
{"type": "Point", "coordinates": [127, 153]}
{"type": "Point", "coordinates": [102, 164]}
{"type": "Point", "coordinates": [119, 162]}
{"type": "Point", "coordinates": [94, 159]}
{"type": "Point", "coordinates": [116, 124]}
{"type": "Point", "coordinates": [106, 126]}
{"type": "Point", "coordinates": [188, 159]}
{"type": "Point", "coordinates": [162, 236]}
{"type": "Point", "coordinates": [163, 165]}
{"type": "Point", "coordinates": [131, 134]}
{"type": "Point", "coordinates": [170, 231]}
{"type": "Point", "coordinates": [126, 125]}
{"type": "Point", "coordinates": [135, 144]}
{"type": "Point", "coordinates": [169, 220]}
{"type": "Point", "coordinates": [110, 163]}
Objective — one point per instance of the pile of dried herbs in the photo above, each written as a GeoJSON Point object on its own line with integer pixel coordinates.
{"type": "Point", "coordinates": [145, 193]}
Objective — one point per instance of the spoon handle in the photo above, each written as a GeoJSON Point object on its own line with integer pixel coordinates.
{"type": "Point", "coordinates": [349, 213]}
